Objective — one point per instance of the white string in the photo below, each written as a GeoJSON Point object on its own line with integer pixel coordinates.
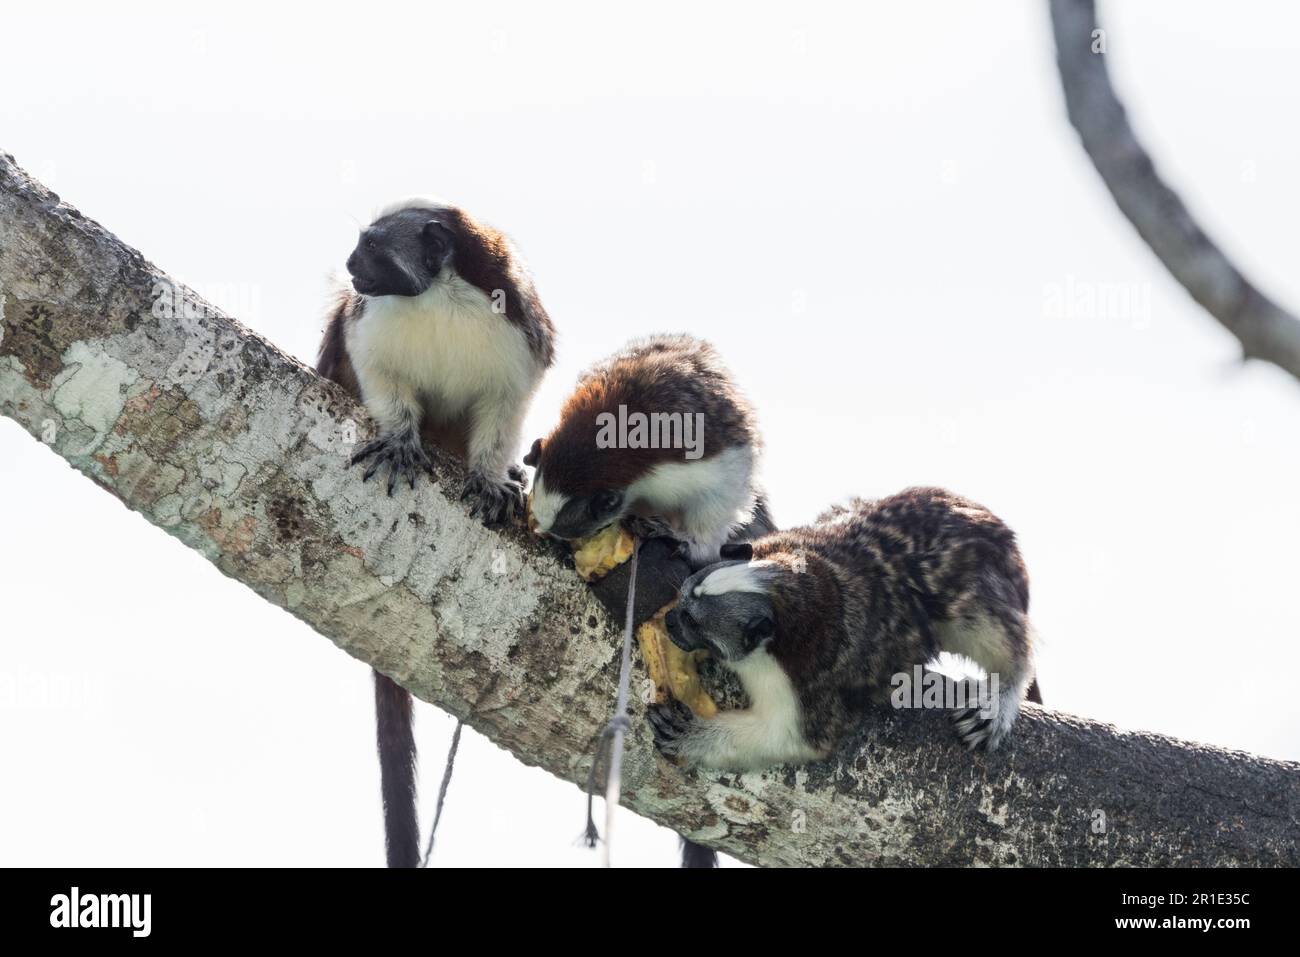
{"type": "Point", "coordinates": [619, 723]}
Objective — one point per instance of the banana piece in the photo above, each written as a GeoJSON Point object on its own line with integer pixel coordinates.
{"type": "Point", "coordinates": [672, 670]}
{"type": "Point", "coordinates": [600, 554]}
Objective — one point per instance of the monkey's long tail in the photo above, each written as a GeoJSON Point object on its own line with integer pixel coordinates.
{"type": "Point", "coordinates": [697, 855]}
{"type": "Point", "coordinates": [396, 740]}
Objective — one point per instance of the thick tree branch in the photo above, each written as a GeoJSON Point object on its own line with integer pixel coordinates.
{"type": "Point", "coordinates": [1264, 329]}
{"type": "Point", "coordinates": [239, 451]}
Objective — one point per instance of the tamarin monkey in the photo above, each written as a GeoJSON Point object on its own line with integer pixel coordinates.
{"type": "Point", "coordinates": [444, 339]}
{"type": "Point", "coordinates": [816, 621]}
{"type": "Point", "coordinates": [658, 432]}
{"type": "Point", "coordinates": [658, 435]}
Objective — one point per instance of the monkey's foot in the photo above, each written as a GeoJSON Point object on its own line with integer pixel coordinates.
{"type": "Point", "coordinates": [986, 733]}
{"type": "Point", "coordinates": [494, 500]}
{"type": "Point", "coordinates": [671, 722]}
{"type": "Point", "coordinates": [401, 452]}
{"type": "Point", "coordinates": [972, 730]}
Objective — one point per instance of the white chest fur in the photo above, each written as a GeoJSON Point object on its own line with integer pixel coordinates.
{"type": "Point", "coordinates": [710, 496]}
{"type": "Point", "coordinates": [772, 727]}
{"type": "Point", "coordinates": [446, 348]}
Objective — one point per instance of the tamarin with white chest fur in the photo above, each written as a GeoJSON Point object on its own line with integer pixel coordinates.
{"type": "Point", "coordinates": [443, 338]}
{"type": "Point", "coordinates": [690, 473]}
{"type": "Point", "coordinates": [817, 621]}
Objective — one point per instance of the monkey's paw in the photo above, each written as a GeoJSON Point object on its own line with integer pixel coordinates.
{"type": "Point", "coordinates": [671, 722]}
{"type": "Point", "coordinates": [972, 730]}
{"type": "Point", "coordinates": [495, 500]}
{"type": "Point", "coordinates": [979, 733]}
{"type": "Point", "coordinates": [401, 452]}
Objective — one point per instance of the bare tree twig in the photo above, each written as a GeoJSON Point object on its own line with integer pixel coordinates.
{"type": "Point", "coordinates": [1265, 330]}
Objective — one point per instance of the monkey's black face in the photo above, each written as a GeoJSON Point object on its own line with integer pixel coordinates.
{"type": "Point", "coordinates": [582, 516]}
{"type": "Point", "coordinates": [401, 254]}
{"type": "Point", "coordinates": [723, 609]}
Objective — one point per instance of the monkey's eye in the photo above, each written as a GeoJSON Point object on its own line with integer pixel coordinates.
{"type": "Point", "coordinates": [606, 502]}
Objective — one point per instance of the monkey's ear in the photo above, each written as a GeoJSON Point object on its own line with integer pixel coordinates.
{"type": "Point", "coordinates": [758, 630]}
{"type": "Point", "coordinates": [736, 551]}
{"type": "Point", "coordinates": [534, 454]}
{"type": "Point", "coordinates": [437, 241]}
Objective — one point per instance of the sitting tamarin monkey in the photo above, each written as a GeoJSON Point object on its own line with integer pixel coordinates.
{"type": "Point", "coordinates": [444, 339]}
{"type": "Point", "coordinates": [660, 433]}
{"type": "Point", "coordinates": [817, 621]}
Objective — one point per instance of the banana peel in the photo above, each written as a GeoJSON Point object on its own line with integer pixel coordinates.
{"type": "Point", "coordinates": [672, 670]}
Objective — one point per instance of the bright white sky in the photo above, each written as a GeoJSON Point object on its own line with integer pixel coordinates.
{"type": "Point", "coordinates": [879, 216]}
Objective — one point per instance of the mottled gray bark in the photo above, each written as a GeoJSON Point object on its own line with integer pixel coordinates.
{"type": "Point", "coordinates": [1265, 330]}
{"type": "Point", "coordinates": [213, 435]}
